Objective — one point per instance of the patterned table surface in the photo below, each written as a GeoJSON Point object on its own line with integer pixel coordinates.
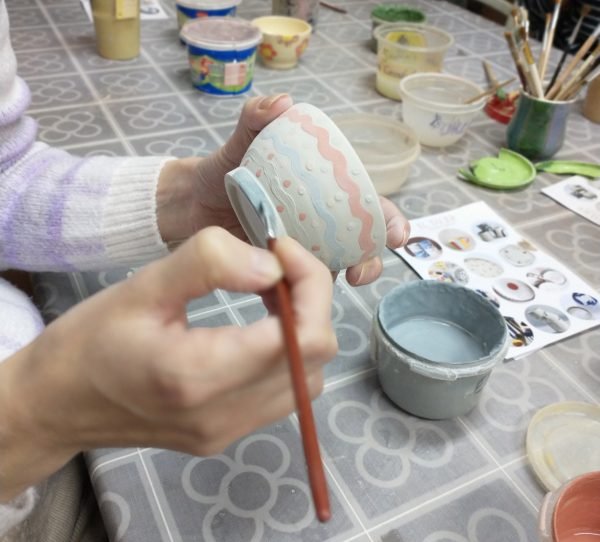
{"type": "Point", "coordinates": [392, 477]}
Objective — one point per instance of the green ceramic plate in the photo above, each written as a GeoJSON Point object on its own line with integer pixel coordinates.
{"type": "Point", "coordinates": [570, 167]}
{"type": "Point", "coordinates": [508, 171]}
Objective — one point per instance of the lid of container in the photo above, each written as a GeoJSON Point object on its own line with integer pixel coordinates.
{"type": "Point", "coordinates": [208, 4]}
{"type": "Point", "coordinates": [221, 33]}
{"type": "Point", "coordinates": [563, 441]}
{"type": "Point", "coordinates": [380, 142]}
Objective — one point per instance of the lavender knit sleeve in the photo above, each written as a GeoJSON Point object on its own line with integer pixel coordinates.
{"type": "Point", "coordinates": [59, 212]}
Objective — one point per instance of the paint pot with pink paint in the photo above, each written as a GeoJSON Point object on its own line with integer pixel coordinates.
{"type": "Point", "coordinates": [304, 171]}
{"type": "Point", "coordinates": [571, 513]}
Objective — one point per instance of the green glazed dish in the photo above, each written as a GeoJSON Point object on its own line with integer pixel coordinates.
{"type": "Point", "coordinates": [508, 171]}
{"type": "Point", "coordinates": [392, 13]}
{"type": "Point", "coordinates": [570, 167]}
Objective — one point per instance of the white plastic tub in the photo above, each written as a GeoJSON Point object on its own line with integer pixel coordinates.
{"type": "Point", "coordinates": [434, 106]}
{"type": "Point", "coordinates": [197, 9]}
{"type": "Point", "coordinates": [386, 147]}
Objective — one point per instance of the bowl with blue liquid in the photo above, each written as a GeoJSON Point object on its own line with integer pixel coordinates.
{"type": "Point", "coordinates": [435, 345]}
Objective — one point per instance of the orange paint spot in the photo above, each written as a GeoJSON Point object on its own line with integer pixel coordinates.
{"type": "Point", "coordinates": [271, 156]}
{"type": "Point", "coordinates": [287, 183]}
{"type": "Point", "coordinates": [315, 248]}
{"type": "Point", "coordinates": [258, 172]}
{"type": "Point", "coordinates": [280, 208]}
{"type": "Point", "coordinates": [302, 216]}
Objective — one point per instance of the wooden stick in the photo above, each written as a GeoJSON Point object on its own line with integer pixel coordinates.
{"type": "Point", "coordinates": [587, 44]}
{"type": "Point", "coordinates": [489, 91]}
{"type": "Point", "coordinates": [333, 7]}
{"type": "Point", "coordinates": [585, 11]}
{"type": "Point", "coordinates": [584, 69]}
{"type": "Point", "coordinates": [489, 73]}
{"type": "Point", "coordinates": [316, 474]}
{"type": "Point", "coordinates": [549, 38]}
{"type": "Point", "coordinates": [581, 84]}
{"type": "Point", "coordinates": [534, 76]}
{"type": "Point", "coordinates": [512, 46]}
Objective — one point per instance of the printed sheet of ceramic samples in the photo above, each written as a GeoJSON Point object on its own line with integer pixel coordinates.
{"type": "Point", "coordinates": [540, 298]}
{"type": "Point", "coordinates": [579, 195]}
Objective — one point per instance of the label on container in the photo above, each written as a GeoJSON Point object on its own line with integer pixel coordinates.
{"type": "Point", "coordinates": [234, 73]}
{"type": "Point", "coordinates": [126, 9]}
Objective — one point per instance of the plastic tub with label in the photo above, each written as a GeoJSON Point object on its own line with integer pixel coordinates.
{"type": "Point", "coordinates": [386, 147]}
{"type": "Point", "coordinates": [221, 53]}
{"type": "Point", "coordinates": [196, 9]}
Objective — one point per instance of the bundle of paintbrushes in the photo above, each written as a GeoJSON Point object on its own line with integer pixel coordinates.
{"type": "Point", "coordinates": [565, 82]}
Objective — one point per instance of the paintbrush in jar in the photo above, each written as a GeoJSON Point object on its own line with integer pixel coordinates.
{"type": "Point", "coordinates": [551, 22]}
{"type": "Point", "coordinates": [587, 45]}
{"type": "Point", "coordinates": [534, 76]}
{"type": "Point", "coordinates": [310, 443]}
{"type": "Point", "coordinates": [585, 11]}
{"type": "Point", "coordinates": [582, 72]}
{"type": "Point", "coordinates": [514, 52]}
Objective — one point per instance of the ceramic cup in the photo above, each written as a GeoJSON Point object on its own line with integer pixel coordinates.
{"type": "Point", "coordinates": [305, 172]}
{"type": "Point", "coordinates": [537, 128]}
{"type": "Point", "coordinates": [571, 513]}
{"type": "Point", "coordinates": [435, 345]}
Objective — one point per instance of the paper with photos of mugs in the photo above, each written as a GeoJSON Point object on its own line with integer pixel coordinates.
{"type": "Point", "coordinates": [578, 194]}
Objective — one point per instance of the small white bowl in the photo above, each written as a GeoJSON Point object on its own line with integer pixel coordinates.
{"type": "Point", "coordinates": [434, 106]}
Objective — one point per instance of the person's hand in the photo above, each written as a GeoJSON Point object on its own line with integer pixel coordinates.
{"type": "Point", "coordinates": [123, 369]}
{"type": "Point", "coordinates": [191, 193]}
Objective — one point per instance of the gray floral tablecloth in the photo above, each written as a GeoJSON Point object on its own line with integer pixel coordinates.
{"type": "Point", "coordinates": [392, 477]}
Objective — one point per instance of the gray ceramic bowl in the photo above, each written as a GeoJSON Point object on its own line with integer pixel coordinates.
{"type": "Point", "coordinates": [435, 345]}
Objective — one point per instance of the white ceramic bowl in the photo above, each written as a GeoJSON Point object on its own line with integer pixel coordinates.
{"type": "Point", "coordinates": [434, 106]}
{"type": "Point", "coordinates": [387, 148]}
{"type": "Point", "coordinates": [307, 176]}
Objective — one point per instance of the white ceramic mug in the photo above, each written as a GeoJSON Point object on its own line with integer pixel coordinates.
{"type": "Point", "coordinates": [305, 172]}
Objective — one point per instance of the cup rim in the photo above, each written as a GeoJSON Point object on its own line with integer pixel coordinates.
{"type": "Point", "coordinates": [544, 100]}
{"type": "Point", "coordinates": [566, 490]}
{"type": "Point", "coordinates": [306, 30]}
{"type": "Point", "coordinates": [377, 33]}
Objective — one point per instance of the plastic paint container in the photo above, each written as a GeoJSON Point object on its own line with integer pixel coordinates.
{"type": "Point", "coordinates": [221, 53]}
{"type": "Point", "coordinates": [433, 106]}
{"type": "Point", "coordinates": [195, 9]}
{"type": "Point", "coordinates": [403, 49]}
{"type": "Point", "coordinates": [435, 345]}
{"type": "Point", "coordinates": [385, 146]}
{"type": "Point", "coordinates": [571, 513]}
{"type": "Point", "coordinates": [394, 13]}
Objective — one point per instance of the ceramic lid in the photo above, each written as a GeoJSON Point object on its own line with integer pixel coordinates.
{"type": "Point", "coordinates": [563, 441]}
{"type": "Point", "coordinates": [508, 171]}
{"type": "Point", "coordinates": [221, 33]}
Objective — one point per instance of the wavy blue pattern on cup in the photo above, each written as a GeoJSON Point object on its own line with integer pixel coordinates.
{"type": "Point", "coordinates": [312, 185]}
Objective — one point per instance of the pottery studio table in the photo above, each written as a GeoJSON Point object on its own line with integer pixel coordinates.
{"type": "Point", "coordinates": [392, 477]}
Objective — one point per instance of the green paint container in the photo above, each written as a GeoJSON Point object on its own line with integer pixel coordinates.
{"type": "Point", "coordinates": [393, 13]}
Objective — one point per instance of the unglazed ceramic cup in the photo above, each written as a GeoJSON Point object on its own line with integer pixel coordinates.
{"type": "Point", "coordinates": [305, 172]}
{"type": "Point", "coordinates": [284, 40]}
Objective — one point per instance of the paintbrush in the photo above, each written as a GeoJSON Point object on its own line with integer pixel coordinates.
{"type": "Point", "coordinates": [585, 11]}
{"type": "Point", "coordinates": [586, 67]}
{"type": "Point", "coordinates": [512, 47]}
{"type": "Point", "coordinates": [333, 7]}
{"type": "Point", "coordinates": [489, 74]}
{"type": "Point", "coordinates": [587, 44]}
{"type": "Point", "coordinates": [551, 22]}
{"type": "Point", "coordinates": [582, 84]}
{"type": "Point", "coordinates": [310, 443]}
{"type": "Point", "coordinates": [534, 76]}
{"type": "Point", "coordinates": [489, 91]}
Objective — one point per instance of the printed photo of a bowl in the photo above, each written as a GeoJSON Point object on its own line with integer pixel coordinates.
{"type": "Point", "coordinates": [197, 9]}
{"type": "Point", "coordinates": [284, 40]}
{"type": "Point", "coordinates": [434, 106]}
{"type": "Point", "coordinates": [305, 173]}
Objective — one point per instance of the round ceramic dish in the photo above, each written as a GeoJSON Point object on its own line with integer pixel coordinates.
{"type": "Point", "coordinates": [304, 171]}
{"type": "Point", "coordinates": [434, 106]}
{"type": "Point", "coordinates": [435, 345]}
{"type": "Point", "coordinates": [403, 49]}
{"type": "Point", "coordinates": [386, 147]}
{"type": "Point", "coordinates": [509, 171]}
{"type": "Point", "coordinates": [284, 40]}
{"type": "Point", "coordinates": [571, 512]}
{"type": "Point", "coordinates": [195, 9]}
{"type": "Point", "coordinates": [221, 52]}
{"type": "Point", "coordinates": [563, 441]}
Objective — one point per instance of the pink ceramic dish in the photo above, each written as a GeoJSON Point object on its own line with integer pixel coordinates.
{"type": "Point", "coordinates": [306, 172]}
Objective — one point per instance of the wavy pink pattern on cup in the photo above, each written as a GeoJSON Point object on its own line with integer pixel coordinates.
{"type": "Point", "coordinates": [340, 172]}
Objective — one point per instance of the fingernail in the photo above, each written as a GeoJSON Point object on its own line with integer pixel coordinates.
{"type": "Point", "coordinates": [266, 265]}
{"type": "Point", "coordinates": [368, 272]}
{"type": "Point", "coordinates": [268, 101]}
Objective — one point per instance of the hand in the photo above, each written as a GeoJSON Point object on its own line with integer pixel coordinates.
{"type": "Point", "coordinates": [123, 369]}
{"type": "Point", "coordinates": [192, 196]}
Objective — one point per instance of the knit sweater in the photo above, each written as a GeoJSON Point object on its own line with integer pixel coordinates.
{"type": "Point", "coordinates": [59, 212]}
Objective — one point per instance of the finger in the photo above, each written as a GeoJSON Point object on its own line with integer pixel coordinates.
{"type": "Point", "coordinates": [398, 228]}
{"type": "Point", "coordinates": [211, 259]}
{"type": "Point", "coordinates": [364, 273]}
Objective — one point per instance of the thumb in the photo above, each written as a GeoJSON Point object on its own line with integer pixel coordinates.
{"type": "Point", "coordinates": [211, 259]}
